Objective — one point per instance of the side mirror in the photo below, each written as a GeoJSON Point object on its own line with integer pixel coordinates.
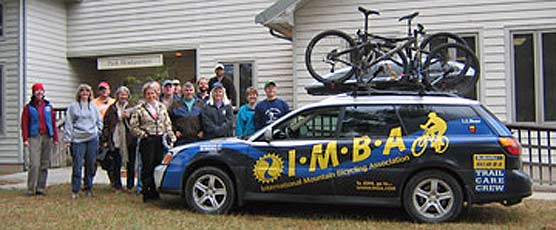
{"type": "Point", "coordinates": [268, 135]}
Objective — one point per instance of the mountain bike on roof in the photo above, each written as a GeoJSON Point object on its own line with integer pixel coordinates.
{"type": "Point", "coordinates": [333, 56]}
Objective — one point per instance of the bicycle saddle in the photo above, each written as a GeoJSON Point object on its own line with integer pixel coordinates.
{"type": "Point", "coordinates": [409, 17]}
{"type": "Point", "coordinates": [368, 12]}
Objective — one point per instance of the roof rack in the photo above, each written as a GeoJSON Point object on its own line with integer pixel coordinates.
{"type": "Point", "coordinates": [354, 89]}
{"type": "Point", "coordinates": [380, 92]}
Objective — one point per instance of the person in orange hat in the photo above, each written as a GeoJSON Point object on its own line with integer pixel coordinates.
{"type": "Point", "coordinates": [103, 101]}
{"type": "Point", "coordinates": [39, 132]}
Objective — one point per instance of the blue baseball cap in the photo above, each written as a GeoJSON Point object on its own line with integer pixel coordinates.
{"type": "Point", "coordinates": [217, 85]}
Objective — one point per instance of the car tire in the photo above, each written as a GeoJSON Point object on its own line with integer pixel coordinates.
{"type": "Point", "coordinates": [433, 196]}
{"type": "Point", "coordinates": [209, 190]}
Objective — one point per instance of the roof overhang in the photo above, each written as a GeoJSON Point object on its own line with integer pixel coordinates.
{"type": "Point", "coordinates": [279, 17]}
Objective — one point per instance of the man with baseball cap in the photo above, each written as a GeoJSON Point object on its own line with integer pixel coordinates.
{"type": "Point", "coordinates": [103, 101]}
{"type": "Point", "coordinates": [177, 88]}
{"type": "Point", "coordinates": [270, 109]}
{"type": "Point", "coordinates": [167, 97]}
{"type": "Point", "coordinates": [226, 82]}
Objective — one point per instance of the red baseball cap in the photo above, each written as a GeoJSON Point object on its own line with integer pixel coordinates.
{"type": "Point", "coordinates": [103, 84]}
{"type": "Point", "coordinates": [37, 86]}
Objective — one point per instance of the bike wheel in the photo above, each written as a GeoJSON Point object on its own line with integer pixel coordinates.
{"type": "Point", "coordinates": [451, 68]}
{"type": "Point", "coordinates": [329, 57]}
{"type": "Point", "coordinates": [419, 146]}
{"type": "Point", "coordinates": [440, 38]}
{"type": "Point", "coordinates": [445, 143]}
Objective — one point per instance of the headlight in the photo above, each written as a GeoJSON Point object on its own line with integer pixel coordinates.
{"type": "Point", "coordinates": [167, 158]}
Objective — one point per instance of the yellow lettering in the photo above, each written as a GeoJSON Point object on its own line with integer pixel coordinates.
{"type": "Point", "coordinates": [323, 160]}
{"type": "Point", "coordinates": [291, 163]}
{"type": "Point", "coordinates": [361, 149]}
{"type": "Point", "coordinates": [394, 140]}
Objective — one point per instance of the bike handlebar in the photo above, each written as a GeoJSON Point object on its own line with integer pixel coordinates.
{"type": "Point", "coordinates": [409, 17]}
{"type": "Point", "coordinates": [368, 12]}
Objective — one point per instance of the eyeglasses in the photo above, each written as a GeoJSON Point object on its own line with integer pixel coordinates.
{"type": "Point", "coordinates": [175, 84]}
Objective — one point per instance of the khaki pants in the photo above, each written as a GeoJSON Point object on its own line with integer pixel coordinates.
{"type": "Point", "coordinates": [39, 161]}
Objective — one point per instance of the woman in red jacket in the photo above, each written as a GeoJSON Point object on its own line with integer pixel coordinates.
{"type": "Point", "coordinates": [39, 132]}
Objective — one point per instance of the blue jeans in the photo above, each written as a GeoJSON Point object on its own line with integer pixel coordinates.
{"type": "Point", "coordinates": [86, 151]}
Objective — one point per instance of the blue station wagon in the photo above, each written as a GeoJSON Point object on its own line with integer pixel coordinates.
{"type": "Point", "coordinates": [431, 154]}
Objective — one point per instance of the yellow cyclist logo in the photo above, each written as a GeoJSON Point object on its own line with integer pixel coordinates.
{"type": "Point", "coordinates": [268, 168]}
{"type": "Point", "coordinates": [434, 128]}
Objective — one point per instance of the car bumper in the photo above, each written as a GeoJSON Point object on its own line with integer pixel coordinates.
{"type": "Point", "coordinates": [158, 175]}
{"type": "Point", "coordinates": [518, 186]}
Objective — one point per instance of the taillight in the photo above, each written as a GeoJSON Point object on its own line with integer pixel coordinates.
{"type": "Point", "coordinates": [167, 158]}
{"type": "Point", "coordinates": [510, 144]}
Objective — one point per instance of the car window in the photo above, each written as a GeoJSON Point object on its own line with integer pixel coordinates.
{"type": "Point", "coordinates": [368, 120]}
{"type": "Point", "coordinates": [312, 124]}
{"type": "Point", "coordinates": [455, 115]}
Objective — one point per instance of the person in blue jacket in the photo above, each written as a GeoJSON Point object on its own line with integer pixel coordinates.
{"type": "Point", "coordinates": [244, 123]}
{"type": "Point", "coordinates": [270, 109]}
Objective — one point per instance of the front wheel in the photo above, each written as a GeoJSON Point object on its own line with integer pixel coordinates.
{"type": "Point", "coordinates": [433, 196]}
{"type": "Point", "coordinates": [451, 68]}
{"type": "Point", "coordinates": [209, 190]}
{"type": "Point", "coordinates": [329, 57]}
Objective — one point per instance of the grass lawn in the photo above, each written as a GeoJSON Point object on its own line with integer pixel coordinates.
{"type": "Point", "coordinates": [108, 210]}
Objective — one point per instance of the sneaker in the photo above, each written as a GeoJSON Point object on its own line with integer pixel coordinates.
{"type": "Point", "coordinates": [89, 193]}
{"type": "Point", "coordinates": [74, 195]}
{"type": "Point", "coordinates": [40, 193]}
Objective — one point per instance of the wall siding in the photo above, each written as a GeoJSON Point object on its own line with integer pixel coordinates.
{"type": "Point", "coordinates": [490, 19]}
{"type": "Point", "coordinates": [46, 39]}
{"type": "Point", "coordinates": [9, 59]}
{"type": "Point", "coordinates": [220, 31]}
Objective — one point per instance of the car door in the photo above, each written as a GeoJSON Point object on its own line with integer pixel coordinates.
{"type": "Point", "coordinates": [293, 161]}
{"type": "Point", "coordinates": [370, 141]}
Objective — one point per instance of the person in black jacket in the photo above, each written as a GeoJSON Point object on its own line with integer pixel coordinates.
{"type": "Point", "coordinates": [185, 114]}
{"type": "Point", "coordinates": [225, 81]}
{"type": "Point", "coordinates": [217, 115]}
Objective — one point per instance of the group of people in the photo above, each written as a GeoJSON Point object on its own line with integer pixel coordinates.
{"type": "Point", "coordinates": [168, 114]}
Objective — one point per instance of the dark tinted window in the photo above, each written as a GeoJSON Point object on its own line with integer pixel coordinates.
{"type": "Point", "coordinates": [549, 73]}
{"type": "Point", "coordinates": [524, 73]}
{"type": "Point", "coordinates": [312, 124]}
{"type": "Point", "coordinates": [415, 115]}
{"type": "Point", "coordinates": [369, 120]}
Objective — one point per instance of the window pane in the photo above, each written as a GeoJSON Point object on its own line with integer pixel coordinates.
{"type": "Point", "coordinates": [374, 121]}
{"type": "Point", "coordinates": [313, 124]}
{"type": "Point", "coordinates": [472, 43]}
{"type": "Point", "coordinates": [245, 81]}
{"type": "Point", "coordinates": [549, 75]}
{"type": "Point", "coordinates": [413, 116]}
{"type": "Point", "coordinates": [524, 74]}
{"type": "Point", "coordinates": [229, 71]}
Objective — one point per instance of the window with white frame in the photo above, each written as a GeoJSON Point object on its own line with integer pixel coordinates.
{"type": "Point", "coordinates": [472, 41]}
{"type": "Point", "coordinates": [534, 76]}
{"type": "Point", "coordinates": [242, 76]}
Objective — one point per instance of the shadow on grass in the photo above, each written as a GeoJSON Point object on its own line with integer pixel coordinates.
{"type": "Point", "coordinates": [490, 213]}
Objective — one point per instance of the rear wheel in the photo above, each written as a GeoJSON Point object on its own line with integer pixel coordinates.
{"type": "Point", "coordinates": [209, 190]}
{"type": "Point", "coordinates": [329, 57]}
{"type": "Point", "coordinates": [437, 39]}
{"type": "Point", "coordinates": [451, 68]}
{"type": "Point", "coordinates": [433, 196]}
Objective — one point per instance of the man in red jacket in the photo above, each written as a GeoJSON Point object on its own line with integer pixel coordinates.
{"type": "Point", "coordinates": [39, 132]}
